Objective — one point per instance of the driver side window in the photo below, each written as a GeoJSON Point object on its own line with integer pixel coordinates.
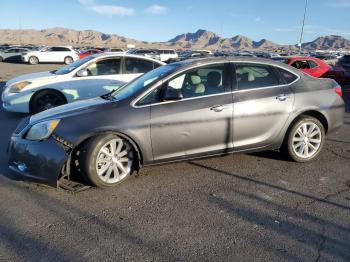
{"type": "Point", "coordinates": [194, 83]}
{"type": "Point", "coordinates": [200, 82]}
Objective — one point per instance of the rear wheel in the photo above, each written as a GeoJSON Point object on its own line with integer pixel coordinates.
{"type": "Point", "coordinates": [1, 59]}
{"type": "Point", "coordinates": [106, 160]}
{"type": "Point", "coordinates": [33, 60]}
{"type": "Point", "coordinates": [45, 100]}
{"type": "Point", "coordinates": [68, 60]}
{"type": "Point", "coordinates": [305, 140]}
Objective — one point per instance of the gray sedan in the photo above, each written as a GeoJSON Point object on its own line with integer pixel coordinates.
{"type": "Point", "coordinates": [185, 110]}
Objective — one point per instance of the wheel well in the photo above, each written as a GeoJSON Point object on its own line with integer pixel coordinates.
{"type": "Point", "coordinates": [45, 90]}
{"type": "Point", "coordinates": [319, 116]}
{"type": "Point", "coordinates": [136, 148]}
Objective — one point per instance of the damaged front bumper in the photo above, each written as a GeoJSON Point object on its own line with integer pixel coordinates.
{"type": "Point", "coordinates": [40, 161]}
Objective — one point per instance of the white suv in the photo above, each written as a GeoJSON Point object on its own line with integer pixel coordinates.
{"type": "Point", "coordinates": [53, 54]}
{"type": "Point", "coordinates": [167, 54]}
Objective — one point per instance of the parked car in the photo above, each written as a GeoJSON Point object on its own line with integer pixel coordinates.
{"type": "Point", "coordinates": [89, 77]}
{"type": "Point", "coordinates": [344, 62]}
{"type": "Point", "coordinates": [53, 54]}
{"type": "Point", "coordinates": [151, 53]}
{"type": "Point", "coordinates": [314, 67]}
{"type": "Point", "coordinates": [118, 50]}
{"type": "Point", "coordinates": [180, 111]}
{"type": "Point", "coordinates": [191, 55]}
{"type": "Point", "coordinates": [88, 52]}
{"type": "Point", "coordinates": [12, 54]}
{"type": "Point", "coordinates": [167, 54]}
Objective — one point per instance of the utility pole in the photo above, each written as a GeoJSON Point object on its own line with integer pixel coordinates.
{"type": "Point", "coordinates": [302, 27]}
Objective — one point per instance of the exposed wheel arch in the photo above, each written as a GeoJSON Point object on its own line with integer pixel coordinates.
{"type": "Point", "coordinates": [135, 146]}
{"type": "Point", "coordinates": [45, 90]}
{"type": "Point", "coordinates": [313, 113]}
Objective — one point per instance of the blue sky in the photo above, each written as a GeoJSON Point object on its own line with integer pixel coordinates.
{"type": "Point", "coordinates": [160, 20]}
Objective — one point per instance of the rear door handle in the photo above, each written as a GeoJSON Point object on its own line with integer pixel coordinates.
{"type": "Point", "coordinates": [217, 108]}
{"type": "Point", "coordinates": [282, 97]}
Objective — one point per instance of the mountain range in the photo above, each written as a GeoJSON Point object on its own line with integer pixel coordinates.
{"type": "Point", "coordinates": [201, 39]}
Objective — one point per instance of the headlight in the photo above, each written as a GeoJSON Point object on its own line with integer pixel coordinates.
{"type": "Point", "coordinates": [16, 88]}
{"type": "Point", "coordinates": [42, 130]}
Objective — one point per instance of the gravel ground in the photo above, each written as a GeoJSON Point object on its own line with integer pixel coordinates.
{"type": "Point", "coordinates": [257, 207]}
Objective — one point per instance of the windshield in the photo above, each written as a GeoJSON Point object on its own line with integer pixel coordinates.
{"type": "Point", "coordinates": [69, 68]}
{"type": "Point", "coordinates": [143, 81]}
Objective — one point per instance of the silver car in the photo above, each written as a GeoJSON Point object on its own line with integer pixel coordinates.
{"type": "Point", "coordinates": [181, 111]}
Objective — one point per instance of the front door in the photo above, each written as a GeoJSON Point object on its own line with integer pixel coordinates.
{"type": "Point", "coordinates": [198, 124]}
{"type": "Point", "coordinates": [103, 76]}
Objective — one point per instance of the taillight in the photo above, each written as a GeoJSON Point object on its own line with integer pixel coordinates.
{"type": "Point", "coordinates": [338, 90]}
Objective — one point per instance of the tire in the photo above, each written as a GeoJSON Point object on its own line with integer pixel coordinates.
{"type": "Point", "coordinates": [1, 59]}
{"type": "Point", "coordinates": [103, 166]}
{"type": "Point", "coordinates": [46, 99]}
{"type": "Point", "coordinates": [305, 140]}
{"type": "Point", "coordinates": [33, 60]}
{"type": "Point", "coordinates": [68, 60]}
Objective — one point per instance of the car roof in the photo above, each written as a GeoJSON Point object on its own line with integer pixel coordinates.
{"type": "Point", "coordinates": [121, 54]}
{"type": "Point", "coordinates": [233, 59]}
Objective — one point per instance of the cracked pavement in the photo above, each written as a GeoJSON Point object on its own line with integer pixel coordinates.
{"type": "Point", "coordinates": [258, 207]}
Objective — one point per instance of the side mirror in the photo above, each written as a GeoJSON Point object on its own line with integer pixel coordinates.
{"type": "Point", "coordinates": [172, 94]}
{"type": "Point", "coordinates": [82, 73]}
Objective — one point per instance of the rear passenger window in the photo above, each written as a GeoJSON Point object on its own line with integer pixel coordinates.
{"type": "Point", "coordinates": [137, 66]}
{"type": "Point", "coordinates": [287, 76]}
{"type": "Point", "coordinates": [104, 67]}
{"type": "Point", "coordinates": [250, 76]}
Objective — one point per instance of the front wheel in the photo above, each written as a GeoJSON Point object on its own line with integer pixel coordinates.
{"type": "Point", "coordinates": [305, 140]}
{"type": "Point", "coordinates": [106, 160]}
{"type": "Point", "coordinates": [46, 99]}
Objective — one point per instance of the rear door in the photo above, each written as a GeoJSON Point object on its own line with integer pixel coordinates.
{"type": "Point", "coordinates": [262, 102]}
{"type": "Point", "coordinates": [199, 124]}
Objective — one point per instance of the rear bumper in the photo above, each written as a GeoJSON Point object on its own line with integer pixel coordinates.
{"type": "Point", "coordinates": [39, 161]}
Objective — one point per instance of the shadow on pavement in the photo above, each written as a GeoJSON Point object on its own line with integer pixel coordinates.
{"type": "Point", "coordinates": [289, 225]}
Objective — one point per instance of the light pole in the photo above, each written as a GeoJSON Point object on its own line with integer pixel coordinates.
{"type": "Point", "coordinates": [302, 27]}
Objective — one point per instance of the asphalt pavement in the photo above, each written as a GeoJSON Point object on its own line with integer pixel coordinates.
{"type": "Point", "coordinates": [248, 207]}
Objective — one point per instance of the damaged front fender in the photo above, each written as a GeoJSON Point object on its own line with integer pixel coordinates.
{"type": "Point", "coordinates": [41, 161]}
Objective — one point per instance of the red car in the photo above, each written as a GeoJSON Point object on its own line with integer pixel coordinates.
{"type": "Point", "coordinates": [88, 52]}
{"type": "Point", "coordinates": [314, 67]}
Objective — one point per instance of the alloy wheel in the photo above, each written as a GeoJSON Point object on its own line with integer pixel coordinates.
{"type": "Point", "coordinates": [114, 161]}
{"type": "Point", "coordinates": [307, 140]}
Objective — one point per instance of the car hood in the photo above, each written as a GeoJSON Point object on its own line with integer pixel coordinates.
{"type": "Point", "coordinates": [30, 77]}
{"type": "Point", "coordinates": [78, 107]}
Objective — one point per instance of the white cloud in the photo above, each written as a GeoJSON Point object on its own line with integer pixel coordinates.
{"type": "Point", "coordinates": [107, 9]}
{"type": "Point", "coordinates": [157, 10]}
{"type": "Point", "coordinates": [112, 10]}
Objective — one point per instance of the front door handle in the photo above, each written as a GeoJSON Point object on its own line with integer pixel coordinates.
{"type": "Point", "coordinates": [217, 108]}
{"type": "Point", "coordinates": [282, 97]}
